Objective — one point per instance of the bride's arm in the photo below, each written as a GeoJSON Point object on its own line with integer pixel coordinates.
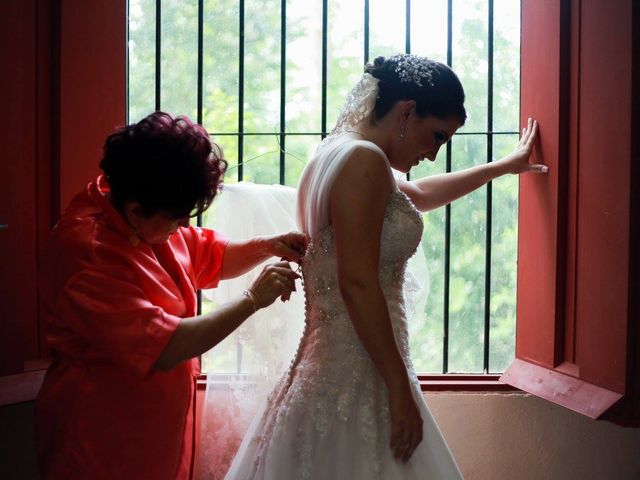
{"type": "Point", "coordinates": [358, 202]}
{"type": "Point", "coordinates": [435, 191]}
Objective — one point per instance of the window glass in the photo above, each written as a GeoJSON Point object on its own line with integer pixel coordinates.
{"type": "Point", "coordinates": [449, 335]}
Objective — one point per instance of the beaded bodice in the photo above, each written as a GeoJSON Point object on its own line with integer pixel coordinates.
{"type": "Point", "coordinates": [329, 331]}
{"type": "Point", "coordinates": [332, 377]}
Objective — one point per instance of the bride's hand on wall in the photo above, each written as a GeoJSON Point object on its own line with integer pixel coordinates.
{"type": "Point", "coordinates": [406, 423]}
{"type": "Point", "coordinates": [518, 161]}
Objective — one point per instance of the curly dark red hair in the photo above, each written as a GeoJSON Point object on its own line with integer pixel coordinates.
{"type": "Point", "coordinates": [165, 164]}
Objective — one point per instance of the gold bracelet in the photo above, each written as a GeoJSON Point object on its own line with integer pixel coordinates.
{"type": "Point", "coordinates": [251, 296]}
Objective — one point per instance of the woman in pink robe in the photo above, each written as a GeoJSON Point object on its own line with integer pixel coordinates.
{"type": "Point", "coordinates": [119, 282]}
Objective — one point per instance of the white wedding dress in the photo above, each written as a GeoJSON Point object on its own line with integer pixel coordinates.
{"type": "Point", "coordinates": [328, 416]}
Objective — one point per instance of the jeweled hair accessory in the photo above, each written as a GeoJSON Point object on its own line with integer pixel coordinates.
{"type": "Point", "coordinates": [411, 68]}
{"type": "Point", "coordinates": [359, 104]}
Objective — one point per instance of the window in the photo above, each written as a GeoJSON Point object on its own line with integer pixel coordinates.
{"type": "Point", "coordinates": [267, 78]}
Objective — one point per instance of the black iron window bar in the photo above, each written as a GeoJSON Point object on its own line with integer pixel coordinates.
{"type": "Point", "coordinates": [282, 134]}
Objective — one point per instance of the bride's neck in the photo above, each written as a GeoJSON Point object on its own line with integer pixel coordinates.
{"type": "Point", "coordinates": [379, 133]}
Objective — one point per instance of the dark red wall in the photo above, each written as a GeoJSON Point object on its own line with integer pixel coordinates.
{"type": "Point", "coordinates": [63, 90]}
{"type": "Point", "coordinates": [92, 86]}
{"type": "Point", "coordinates": [18, 174]}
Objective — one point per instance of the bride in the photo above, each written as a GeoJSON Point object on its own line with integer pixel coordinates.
{"type": "Point", "coordinates": [350, 405]}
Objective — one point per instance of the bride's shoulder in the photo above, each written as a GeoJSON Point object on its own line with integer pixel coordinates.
{"type": "Point", "coordinates": [364, 164]}
{"type": "Point", "coordinates": [363, 152]}
{"type": "Point", "coordinates": [360, 145]}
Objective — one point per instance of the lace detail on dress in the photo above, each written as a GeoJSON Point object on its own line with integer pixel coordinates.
{"type": "Point", "coordinates": [332, 382]}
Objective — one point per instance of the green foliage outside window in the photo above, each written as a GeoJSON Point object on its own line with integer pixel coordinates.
{"type": "Point", "coordinates": [261, 153]}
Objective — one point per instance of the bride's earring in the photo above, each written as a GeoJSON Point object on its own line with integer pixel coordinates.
{"type": "Point", "coordinates": [402, 131]}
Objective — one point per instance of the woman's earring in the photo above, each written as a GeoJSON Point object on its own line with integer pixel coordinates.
{"type": "Point", "coordinates": [134, 239]}
{"type": "Point", "coordinates": [402, 130]}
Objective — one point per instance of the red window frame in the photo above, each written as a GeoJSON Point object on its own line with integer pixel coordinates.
{"type": "Point", "coordinates": [577, 317]}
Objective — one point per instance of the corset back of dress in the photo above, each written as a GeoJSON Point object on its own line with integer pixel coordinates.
{"type": "Point", "coordinates": [327, 318]}
{"type": "Point", "coordinates": [328, 323]}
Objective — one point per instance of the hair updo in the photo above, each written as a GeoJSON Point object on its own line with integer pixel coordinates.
{"type": "Point", "coordinates": [434, 87]}
{"type": "Point", "coordinates": [163, 163]}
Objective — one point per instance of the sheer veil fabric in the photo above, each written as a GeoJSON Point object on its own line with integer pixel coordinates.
{"type": "Point", "coordinates": [259, 351]}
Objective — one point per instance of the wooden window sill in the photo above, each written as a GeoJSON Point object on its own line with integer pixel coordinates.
{"type": "Point", "coordinates": [21, 387]}
{"type": "Point", "coordinates": [451, 382]}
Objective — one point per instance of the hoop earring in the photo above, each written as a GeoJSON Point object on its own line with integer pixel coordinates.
{"type": "Point", "coordinates": [134, 237]}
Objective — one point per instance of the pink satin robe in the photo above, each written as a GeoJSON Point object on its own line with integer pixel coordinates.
{"type": "Point", "coordinates": [110, 309]}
